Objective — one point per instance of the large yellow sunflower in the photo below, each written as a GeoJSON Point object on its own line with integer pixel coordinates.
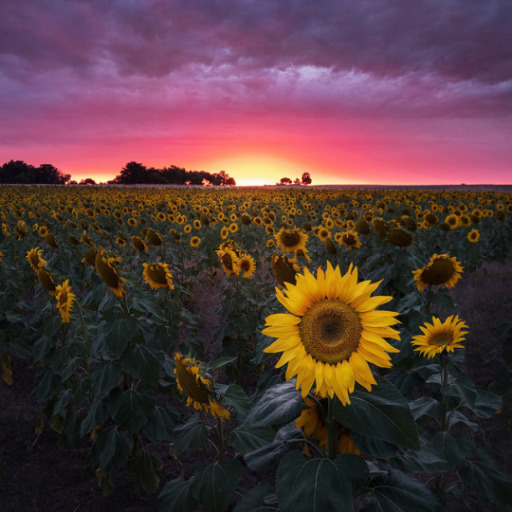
{"type": "Point", "coordinates": [198, 389]}
{"type": "Point", "coordinates": [312, 424]}
{"type": "Point", "coordinates": [65, 300]}
{"type": "Point", "coordinates": [441, 269]}
{"type": "Point", "coordinates": [157, 275]}
{"type": "Point", "coordinates": [438, 336]}
{"type": "Point", "coordinates": [332, 333]}
{"type": "Point", "coordinates": [289, 240]}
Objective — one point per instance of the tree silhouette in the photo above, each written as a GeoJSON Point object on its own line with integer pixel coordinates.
{"type": "Point", "coordinates": [306, 178]}
{"type": "Point", "coordinates": [21, 172]}
{"type": "Point", "coordinates": [285, 181]}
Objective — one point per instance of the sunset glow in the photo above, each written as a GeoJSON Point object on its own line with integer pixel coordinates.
{"type": "Point", "coordinates": [351, 92]}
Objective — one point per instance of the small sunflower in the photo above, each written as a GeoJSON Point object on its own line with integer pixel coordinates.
{"type": "Point", "coordinates": [399, 238]}
{"type": "Point", "coordinates": [200, 394]}
{"type": "Point", "coordinates": [138, 244]}
{"type": "Point", "coordinates": [332, 333]}
{"type": "Point", "coordinates": [65, 300]}
{"type": "Point", "coordinates": [229, 260]}
{"type": "Point", "coordinates": [289, 240]}
{"type": "Point", "coordinates": [312, 424]}
{"type": "Point", "coordinates": [350, 239]}
{"type": "Point", "coordinates": [438, 336]}
{"type": "Point", "coordinates": [108, 273]}
{"type": "Point", "coordinates": [153, 238]}
{"type": "Point", "coordinates": [441, 269]}
{"type": "Point", "coordinates": [474, 236]}
{"type": "Point", "coordinates": [34, 257]}
{"type": "Point", "coordinates": [246, 265]}
{"type": "Point", "coordinates": [157, 275]}
{"type": "Point", "coordinates": [195, 241]}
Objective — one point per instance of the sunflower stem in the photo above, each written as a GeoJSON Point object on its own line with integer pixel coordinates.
{"type": "Point", "coordinates": [220, 435]}
{"type": "Point", "coordinates": [332, 429]}
{"type": "Point", "coordinates": [445, 372]}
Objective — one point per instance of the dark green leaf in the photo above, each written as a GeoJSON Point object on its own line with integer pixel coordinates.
{"type": "Point", "coordinates": [144, 363]}
{"type": "Point", "coordinates": [312, 485]}
{"type": "Point", "coordinates": [268, 455]}
{"type": "Point", "coordinates": [382, 413]}
{"type": "Point", "coordinates": [190, 436]}
{"type": "Point", "coordinates": [235, 396]}
{"type": "Point", "coordinates": [399, 493]}
{"type": "Point", "coordinates": [256, 500]}
{"type": "Point", "coordinates": [452, 447]}
{"type": "Point", "coordinates": [176, 496]}
{"type": "Point", "coordinates": [115, 450]}
{"type": "Point", "coordinates": [47, 384]}
{"type": "Point", "coordinates": [279, 405]}
{"type": "Point", "coordinates": [247, 438]}
{"type": "Point", "coordinates": [487, 403]}
{"type": "Point", "coordinates": [214, 484]}
{"type": "Point", "coordinates": [131, 410]}
{"type": "Point", "coordinates": [160, 425]}
{"type": "Point", "coordinates": [97, 415]}
{"type": "Point", "coordinates": [105, 378]}
{"type": "Point", "coordinates": [143, 467]}
{"type": "Point", "coordinates": [425, 406]}
{"type": "Point", "coordinates": [487, 479]}
{"type": "Point", "coordinates": [219, 363]}
{"type": "Point", "coordinates": [119, 335]}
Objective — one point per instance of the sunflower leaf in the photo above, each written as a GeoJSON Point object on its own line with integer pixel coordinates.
{"type": "Point", "coordinates": [382, 413]}
{"type": "Point", "coordinates": [312, 485]}
{"type": "Point", "coordinates": [176, 496]}
{"type": "Point", "coordinates": [190, 436]}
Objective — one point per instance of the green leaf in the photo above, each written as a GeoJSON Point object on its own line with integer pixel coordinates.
{"type": "Point", "coordinates": [143, 467]}
{"type": "Point", "coordinates": [214, 484]}
{"type": "Point", "coordinates": [160, 424]}
{"type": "Point", "coordinates": [105, 378]}
{"type": "Point", "coordinates": [487, 404]}
{"type": "Point", "coordinates": [190, 436]}
{"type": "Point", "coordinates": [312, 485]}
{"type": "Point", "coordinates": [176, 496]}
{"type": "Point", "coordinates": [219, 363]}
{"type": "Point", "coordinates": [425, 406]}
{"type": "Point", "coordinates": [279, 405]}
{"type": "Point", "coordinates": [256, 500]}
{"type": "Point", "coordinates": [268, 455]}
{"type": "Point", "coordinates": [121, 332]}
{"type": "Point", "coordinates": [115, 450]}
{"type": "Point", "coordinates": [452, 447]}
{"type": "Point", "coordinates": [487, 479]}
{"type": "Point", "coordinates": [97, 415]}
{"type": "Point", "coordinates": [235, 396]}
{"type": "Point", "coordinates": [144, 363]}
{"type": "Point", "coordinates": [145, 304]}
{"type": "Point", "coordinates": [354, 467]}
{"type": "Point", "coordinates": [131, 410]}
{"type": "Point", "coordinates": [457, 417]}
{"type": "Point", "coordinates": [382, 413]}
{"type": "Point", "coordinates": [47, 384]}
{"type": "Point", "coordinates": [247, 438]}
{"type": "Point", "coordinates": [398, 493]}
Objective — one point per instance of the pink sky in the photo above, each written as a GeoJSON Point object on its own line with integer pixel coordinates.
{"type": "Point", "coordinates": [373, 92]}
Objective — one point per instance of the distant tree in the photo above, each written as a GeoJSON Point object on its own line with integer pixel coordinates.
{"type": "Point", "coordinates": [87, 181]}
{"type": "Point", "coordinates": [296, 181]}
{"type": "Point", "coordinates": [285, 181]}
{"type": "Point", "coordinates": [132, 173]}
{"type": "Point", "coordinates": [306, 178]}
{"type": "Point", "coordinates": [21, 172]}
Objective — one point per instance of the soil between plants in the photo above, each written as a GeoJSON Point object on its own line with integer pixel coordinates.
{"type": "Point", "coordinates": [38, 474]}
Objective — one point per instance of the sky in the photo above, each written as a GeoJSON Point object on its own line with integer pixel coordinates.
{"type": "Point", "coordinates": [353, 92]}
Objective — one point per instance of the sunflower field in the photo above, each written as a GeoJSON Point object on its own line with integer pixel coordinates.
{"type": "Point", "coordinates": [292, 349]}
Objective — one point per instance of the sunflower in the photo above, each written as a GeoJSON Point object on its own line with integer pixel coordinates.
{"type": "Point", "coordinates": [198, 389]}
{"type": "Point", "coordinates": [65, 300]}
{"type": "Point", "coordinates": [284, 269]}
{"type": "Point", "coordinates": [35, 259]}
{"type": "Point", "coordinates": [46, 280]}
{"type": "Point", "coordinates": [138, 244]}
{"type": "Point", "coordinates": [157, 275]}
{"type": "Point", "coordinates": [474, 236]}
{"type": "Point", "coordinates": [332, 333]}
{"type": "Point", "coordinates": [229, 260]}
{"type": "Point", "coordinates": [349, 238]}
{"type": "Point", "coordinates": [108, 273]}
{"type": "Point", "coordinates": [441, 269]}
{"type": "Point", "coordinates": [438, 336]}
{"type": "Point", "coordinates": [399, 238]}
{"type": "Point", "coordinates": [90, 257]}
{"type": "Point", "coordinates": [195, 241]}
{"type": "Point", "coordinates": [289, 240]}
{"type": "Point", "coordinates": [153, 238]}
{"type": "Point", "coordinates": [246, 265]}
{"type": "Point", "coordinates": [311, 423]}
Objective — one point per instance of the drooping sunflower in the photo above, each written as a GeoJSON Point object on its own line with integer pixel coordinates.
{"type": "Point", "coordinates": [138, 244]}
{"type": "Point", "coordinates": [35, 259]}
{"type": "Point", "coordinates": [438, 336]}
{"type": "Point", "coordinates": [108, 273]}
{"type": "Point", "coordinates": [199, 390]}
{"type": "Point", "coordinates": [289, 240]}
{"type": "Point", "coordinates": [399, 238]}
{"type": "Point", "coordinates": [332, 333]}
{"type": "Point", "coordinates": [246, 265]}
{"type": "Point", "coordinates": [474, 236]}
{"type": "Point", "coordinates": [441, 269]}
{"type": "Point", "coordinates": [46, 281]}
{"type": "Point", "coordinates": [157, 275]}
{"type": "Point", "coordinates": [153, 238]}
{"type": "Point", "coordinates": [65, 300]}
{"type": "Point", "coordinates": [312, 424]}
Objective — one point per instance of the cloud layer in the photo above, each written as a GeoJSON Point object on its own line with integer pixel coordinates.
{"type": "Point", "coordinates": [79, 71]}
